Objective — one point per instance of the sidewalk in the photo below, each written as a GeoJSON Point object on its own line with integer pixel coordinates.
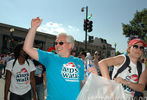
{"type": "Point", "coordinates": [145, 93]}
{"type": "Point", "coordinates": [2, 86]}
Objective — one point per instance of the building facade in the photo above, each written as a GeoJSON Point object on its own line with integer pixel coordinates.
{"type": "Point", "coordinates": [10, 36]}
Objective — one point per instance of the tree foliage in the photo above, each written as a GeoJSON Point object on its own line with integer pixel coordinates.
{"type": "Point", "coordinates": [137, 26]}
{"type": "Point", "coordinates": [118, 53]}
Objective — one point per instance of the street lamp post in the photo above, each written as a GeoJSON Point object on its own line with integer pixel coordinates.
{"type": "Point", "coordinates": [11, 39]}
{"type": "Point", "coordinates": [115, 48]}
{"type": "Point", "coordinates": [86, 29]}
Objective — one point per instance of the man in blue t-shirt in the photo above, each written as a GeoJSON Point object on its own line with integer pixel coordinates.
{"type": "Point", "coordinates": [65, 73]}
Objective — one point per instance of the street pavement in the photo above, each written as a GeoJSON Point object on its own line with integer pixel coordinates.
{"type": "Point", "coordinates": [2, 86]}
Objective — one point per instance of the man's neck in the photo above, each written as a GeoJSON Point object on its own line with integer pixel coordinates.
{"type": "Point", "coordinates": [65, 56]}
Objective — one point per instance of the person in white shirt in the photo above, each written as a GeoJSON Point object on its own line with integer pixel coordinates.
{"type": "Point", "coordinates": [20, 76]}
{"type": "Point", "coordinates": [130, 76]}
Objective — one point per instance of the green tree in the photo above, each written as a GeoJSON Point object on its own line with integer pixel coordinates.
{"type": "Point", "coordinates": [137, 26]}
{"type": "Point", "coordinates": [118, 53]}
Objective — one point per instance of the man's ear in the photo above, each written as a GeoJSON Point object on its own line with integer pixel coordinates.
{"type": "Point", "coordinates": [70, 46]}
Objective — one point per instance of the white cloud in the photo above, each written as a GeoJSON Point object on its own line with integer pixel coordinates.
{"type": "Point", "coordinates": [51, 24]}
{"type": "Point", "coordinates": [51, 28]}
{"type": "Point", "coordinates": [70, 27]}
{"type": "Point", "coordinates": [55, 28]}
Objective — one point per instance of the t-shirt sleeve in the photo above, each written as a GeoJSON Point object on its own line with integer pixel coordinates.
{"type": "Point", "coordinates": [45, 57]}
{"type": "Point", "coordinates": [42, 57]}
{"type": "Point", "coordinates": [9, 65]}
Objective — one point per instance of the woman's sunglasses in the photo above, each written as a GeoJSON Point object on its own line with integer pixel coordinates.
{"type": "Point", "coordinates": [140, 47]}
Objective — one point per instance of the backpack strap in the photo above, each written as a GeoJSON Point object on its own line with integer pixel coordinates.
{"type": "Point", "coordinates": [14, 63]}
{"type": "Point", "coordinates": [123, 67]}
{"type": "Point", "coordinates": [139, 68]}
{"type": "Point", "coordinates": [27, 62]}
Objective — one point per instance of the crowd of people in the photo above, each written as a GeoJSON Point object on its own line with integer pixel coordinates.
{"type": "Point", "coordinates": [4, 58]}
{"type": "Point", "coordinates": [29, 70]}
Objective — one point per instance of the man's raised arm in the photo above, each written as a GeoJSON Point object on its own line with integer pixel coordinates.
{"type": "Point", "coordinates": [29, 40]}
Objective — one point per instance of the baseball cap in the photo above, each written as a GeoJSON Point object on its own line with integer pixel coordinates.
{"type": "Point", "coordinates": [136, 40]}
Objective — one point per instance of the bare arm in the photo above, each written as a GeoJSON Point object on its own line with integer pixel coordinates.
{"type": "Point", "coordinates": [105, 63]}
{"type": "Point", "coordinates": [135, 86]}
{"type": "Point", "coordinates": [7, 84]}
{"type": "Point", "coordinates": [29, 40]}
{"type": "Point", "coordinates": [45, 81]}
{"type": "Point", "coordinates": [33, 84]}
{"type": "Point", "coordinates": [92, 70]}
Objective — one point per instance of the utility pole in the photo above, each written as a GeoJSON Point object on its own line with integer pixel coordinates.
{"type": "Point", "coordinates": [87, 24]}
{"type": "Point", "coordinates": [11, 40]}
{"type": "Point", "coordinates": [86, 29]}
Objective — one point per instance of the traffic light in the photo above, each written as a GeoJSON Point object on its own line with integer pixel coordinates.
{"type": "Point", "coordinates": [91, 39]}
{"type": "Point", "coordinates": [89, 26]}
{"type": "Point", "coordinates": [86, 21]}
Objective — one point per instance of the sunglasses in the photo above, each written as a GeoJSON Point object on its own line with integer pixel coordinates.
{"type": "Point", "coordinates": [136, 46]}
{"type": "Point", "coordinates": [60, 43]}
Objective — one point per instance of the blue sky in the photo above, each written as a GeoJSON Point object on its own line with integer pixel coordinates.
{"type": "Point", "coordinates": [66, 16]}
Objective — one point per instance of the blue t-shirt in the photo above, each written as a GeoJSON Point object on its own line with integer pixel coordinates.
{"type": "Point", "coordinates": [64, 75]}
